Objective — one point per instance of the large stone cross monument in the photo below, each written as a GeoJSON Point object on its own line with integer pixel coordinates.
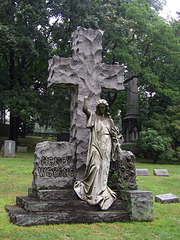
{"type": "Point", "coordinates": [87, 76]}
{"type": "Point", "coordinates": [57, 165]}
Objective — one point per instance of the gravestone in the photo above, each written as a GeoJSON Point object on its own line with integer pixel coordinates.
{"type": "Point", "coordinates": [87, 76]}
{"type": "Point", "coordinates": [142, 172]}
{"type": "Point", "coordinates": [21, 149]}
{"type": "Point", "coordinates": [161, 172]}
{"type": "Point", "coordinates": [52, 200]}
{"type": "Point", "coordinates": [9, 148]}
{"type": "Point", "coordinates": [166, 198]}
{"type": "Point", "coordinates": [51, 169]}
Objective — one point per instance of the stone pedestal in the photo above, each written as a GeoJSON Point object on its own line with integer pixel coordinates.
{"type": "Point", "coordinates": [139, 204]}
{"type": "Point", "coordinates": [43, 207]}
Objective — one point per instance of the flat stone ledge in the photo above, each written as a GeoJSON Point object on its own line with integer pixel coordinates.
{"type": "Point", "coordinates": [21, 217]}
{"type": "Point", "coordinates": [142, 172]}
{"type": "Point", "coordinates": [166, 198]}
{"type": "Point", "coordinates": [161, 172]}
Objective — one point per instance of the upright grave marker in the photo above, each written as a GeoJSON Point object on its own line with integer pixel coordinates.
{"type": "Point", "coordinates": [9, 148]}
{"type": "Point", "coordinates": [87, 76]}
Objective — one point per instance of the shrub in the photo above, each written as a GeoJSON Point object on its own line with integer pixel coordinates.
{"type": "Point", "coordinates": [153, 145]}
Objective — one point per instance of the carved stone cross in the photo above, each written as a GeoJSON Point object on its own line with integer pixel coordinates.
{"type": "Point", "coordinates": [87, 76]}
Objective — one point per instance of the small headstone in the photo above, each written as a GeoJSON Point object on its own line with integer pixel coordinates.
{"type": "Point", "coordinates": [9, 148]}
{"type": "Point", "coordinates": [166, 198]}
{"type": "Point", "coordinates": [142, 172]}
{"type": "Point", "coordinates": [21, 149]}
{"type": "Point", "coordinates": [160, 172]}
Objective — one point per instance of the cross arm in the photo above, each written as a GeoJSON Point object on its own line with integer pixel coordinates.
{"type": "Point", "coordinates": [112, 77]}
{"type": "Point", "coordinates": [61, 72]}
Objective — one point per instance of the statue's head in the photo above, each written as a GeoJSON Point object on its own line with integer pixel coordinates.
{"type": "Point", "coordinates": [102, 108]}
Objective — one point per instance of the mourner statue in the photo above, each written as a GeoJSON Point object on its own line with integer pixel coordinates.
{"type": "Point", "coordinates": [104, 146]}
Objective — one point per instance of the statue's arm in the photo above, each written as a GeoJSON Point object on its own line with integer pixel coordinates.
{"type": "Point", "coordinates": [85, 107]}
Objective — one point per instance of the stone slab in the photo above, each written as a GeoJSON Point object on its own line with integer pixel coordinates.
{"type": "Point", "coordinates": [9, 148]}
{"type": "Point", "coordinates": [33, 205]}
{"type": "Point", "coordinates": [142, 172]}
{"type": "Point", "coordinates": [46, 195]}
{"type": "Point", "coordinates": [161, 172]}
{"type": "Point", "coordinates": [21, 217]}
{"type": "Point", "coordinates": [166, 198]}
{"type": "Point", "coordinates": [54, 165]}
{"type": "Point", "coordinates": [21, 149]}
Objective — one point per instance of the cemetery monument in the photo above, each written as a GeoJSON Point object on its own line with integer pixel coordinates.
{"type": "Point", "coordinates": [59, 167]}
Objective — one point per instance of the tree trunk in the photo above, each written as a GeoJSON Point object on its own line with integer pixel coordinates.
{"type": "Point", "coordinates": [14, 125]}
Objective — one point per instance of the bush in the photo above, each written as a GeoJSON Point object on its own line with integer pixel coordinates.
{"type": "Point", "coordinates": [153, 145]}
{"type": "Point", "coordinates": [170, 156]}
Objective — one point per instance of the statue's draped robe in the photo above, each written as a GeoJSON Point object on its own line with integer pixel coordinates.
{"type": "Point", "coordinates": [93, 188]}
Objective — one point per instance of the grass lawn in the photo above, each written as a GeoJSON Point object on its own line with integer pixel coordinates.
{"type": "Point", "coordinates": [16, 178]}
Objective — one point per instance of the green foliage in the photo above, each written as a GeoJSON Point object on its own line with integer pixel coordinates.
{"type": "Point", "coordinates": [134, 35]}
{"type": "Point", "coordinates": [152, 144]}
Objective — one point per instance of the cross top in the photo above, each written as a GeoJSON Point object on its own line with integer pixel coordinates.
{"type": "Point", "coordinates": [87, 76]}
{"type": "Point", "coordinates": [82, 46]}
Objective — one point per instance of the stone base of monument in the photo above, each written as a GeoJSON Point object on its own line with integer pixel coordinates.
{"type": "Point", "coordinates": [43, 207]}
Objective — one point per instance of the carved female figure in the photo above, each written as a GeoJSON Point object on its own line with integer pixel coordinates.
{"type": "Point", "coordinates": [103, 146]}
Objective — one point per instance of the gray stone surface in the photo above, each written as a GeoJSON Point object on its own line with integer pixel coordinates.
{"type": "Point", "coordinates": [123, 172]}
{"type": "Point", "coordinates": [166, 198]}
{"type": "Point", "coordinates": [54, 165]}
{"type": "Point", "coordinates": [9, 148]}
{"type": "Point", "coordinates": [85, 73]}
{"type": "Point", "coordinates": [142, 172]}
{"type": "Point", "coordinates": [160, 172]}
{"type": "Point", "coordinates": [21, 149]}
{"type": "Point", "coordinates": [130, 125]}
{"type": "Point", "coordinates": [139, 204]}
{"type": "Point", "coordinates": [21, 217]}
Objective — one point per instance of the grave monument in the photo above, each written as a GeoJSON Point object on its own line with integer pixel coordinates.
{"type": "Point", "coordinates": [57, 166]}
{"type": "Point", "coordinates": [9, 149]}
{"type": "Point", "coordinates": [130, 124]}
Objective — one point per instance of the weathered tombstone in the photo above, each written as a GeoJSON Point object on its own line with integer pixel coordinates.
{"type": "Point", "coordinates": [21, 149]}
{"type": "Point", "coordinates": [9, 148]}
{"type": "Point", "coordinates": [166, 198]}
{"type": "Point", "coordinates": [142, 172]}
{"type": "Point", "coordinates": [51, 170]}
{"type": "Point", "coordinates": [52, 200]}
{"type": "Point", "coordinates": [161, 172]}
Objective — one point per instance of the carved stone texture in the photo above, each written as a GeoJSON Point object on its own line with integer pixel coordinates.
{"type": "Point", "coordinates": [123, 172]}
{"type": "Point", "coordinates": [160, 172]}
{"type": "Point", "coordinates": [51, 170]}
{"type": "Point", "coordinates": [142, 172]}
{"type": "Point", "coordinates": [140, 205]}
{"type": "Point", "coordinates": [166, 198]}
{"type": "Point", "coordinates": [85, 73]}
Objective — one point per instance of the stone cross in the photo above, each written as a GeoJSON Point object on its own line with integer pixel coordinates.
{"type": "Point", "coordinates": [87, 76]}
